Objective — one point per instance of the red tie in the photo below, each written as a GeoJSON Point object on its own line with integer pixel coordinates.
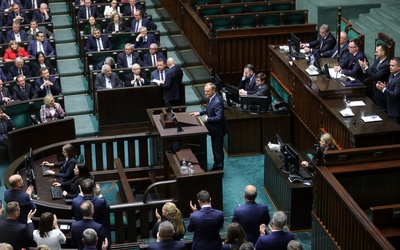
{"type": "Point", "coordinates": [154, 61]}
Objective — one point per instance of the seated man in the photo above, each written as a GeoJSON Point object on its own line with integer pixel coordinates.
{"type": "Point", "coordinates": [87, 11]}
{"type": "Point", "coordinates": [248, 81]}
{"type": "Point", "coordinates": [109, 61]}
{"type": "Point", "coordinates": [98, 42]}
{"type": "Point", "coordinates": [19, 68]}
{"type": "Point", "coordinates": [40, 44]}
{"type": "Point", "coordinates": [5, 96]}
{"type": "Point", "coordinates": [325, 42]}
{"type": "Point", "coordinates": [144, 39]}
{"type": "Point", "coordinates": [6, 125]}
{"type": "Point", "coordinates": [46, 84]}
{"type": "Point", "coordinates": [352, 67]}
{"type": "Point", "coordinates": [141, 21]}
{"type": "Point", "coordinates": [35, 28]}
{"type": "Point", "coordinates": [128, 58]}
{"type": "Point", "coordinates": [23, 91]}
{"type": "Point", "coordinates": [344, 50]}
{"type": "Point", "coordinates": [160, 73]}
{"type": "Point", "coordinates": [136, 78]}
{"type": "Point", "coordinates": [150, 59]}
{"type": "Point", "coordinates": [17, 16]}
{"type": "Point", "coordinates": [16, 33]}
{"type": "Point", "coordinates": [262, 87]}
{"type": "Point", "coordinates": [6, 6]}
{"type": "Point", "coordinates": [43, 14]}
{"type": "Point", "coordinates": [34, 4]}
{"type": "Point", "coordinates": [107, 79]}
{"type": "Point", "coordinates": [132, 8]}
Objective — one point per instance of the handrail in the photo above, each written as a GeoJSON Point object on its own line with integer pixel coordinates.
{"type": "Point", "coordinates": [154, 185]}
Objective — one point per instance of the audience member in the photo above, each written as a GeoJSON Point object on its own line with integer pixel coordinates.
{"type": "Point", "coordinates": [34, 4]}
{"type": "Point", "coordinates": [2, 37]}
{"type": "Point", "coordinates": [128, 58]}
{"type": "Point", "coordinates": [380, 71]}
{"type": "Point", "coordinates": [171, 85]}
{"type": "Point", "coordinates": [165, 239]}
{"type": "Point", "coordinates": [2, 76]}
{"type": "Point", "coordinates": [6, 125]}
{"type": "Point", "coordinates": [89, 28]}
{"type": "Point", "coordinates": [6, 6]}
{"type": "Point", "coordinates": [13, 231]}
{"type": "Point", "coordinates": [78, 227]}
{"type": "Point", "coordinates": [66, 166]}
{"type": "Point", "coordinates": [43, 14]}
{"type": "Point", "coordinates": [87, 11]}
{"type": "Point", "coordinates": [49, 233]}
{"type": "Point", "coordinates": [35, 28]}
{"type": "Point", "coordinates": [132, 8]}
{"type": "Point", "coordinates": [71, 188]}
{"type": "Point", "coordinates": [46, 84]}
{"type": "Point", "coordinates": [215, 122]}
{"type": "Point", "coordinates": [16, 33]}
{"type": "Point", "coordinates": [98, 42]}
{"type": "Point", "coordinates": [51, 110]}
{"type": "Point", "coordinates": [235, 237]}
{"type": "Point", "coordinates": [5, 246]}
{"type": "Point", "coordinates": [277, 239]}
{"type": "Point", "coordinates": [205, 223]}
{"type": "Point", "coordinates": [251, 215]}
{"type": "Point", "coordinates": [344, 49]}
{"type": "Point", "coordinates": [5, 96]}
{"type": "Point", "coordinates": [111, 9]}
{"type": "Point", "coordinates": [23, 91]}
{"type": "Point", "coordinates": [246, 246]}
{"type": "Point", "coordinates": [42, 62]}
{"type": "Point", "coordinates": [79, 2]}
{"type": "Point", "coordinates": [172, 214]}
{"type": "Point", "coordinates": [89, 239]}
{"type": "Point", "coordinates": [159, 74]}
{"type": "Point", "coordinates": [248, 81]}
{"type": "Point", "coordinates": [19, 68]}
{"type": "Point", "coordinates": [262, 87]}
{"type": "Point", "coordinates": [144, 39]}
{"type": "Point", "coordinates": [151, 58]}
{"type": "Point", "coordinates": [325, 42]}
{"type": "Point", "coordinates": [107, 79]}
{"type": "Point", "coordinates": [13, 51]}
{"type": "Point", "coordinates": [116, 24]}
{"type": "Point", "coordinates": [109, 61]}
{"type": "Point", "coordinates": [141, 21]}
{"type": "Point", "coordinates": [391, 89]}
{"type": "Point", "coordinates": [23, 199]}
{"type": "Point", "coordinates": [40, 44]}
{"type": "Point", "coordinates": [16, 15]}
{"type": "Point", "coordinates": [352, 67]}
{"type": "Point", "coordinates": [43, 247]}
{"type": "Point", "coordinates": [136, 78]}
{"type": "Point", "coordinates": [326, 143]}
{"type": "Point", "coordinates": [294, 245]}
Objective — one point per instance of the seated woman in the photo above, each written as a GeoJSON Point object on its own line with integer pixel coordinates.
{"type": "Point", "coordinates": [91, 26]}
{"type": "Point", "coordinates": [14, 51]}
{"type": "Point", "coordinates": [326, 143]}
{"type": "Point", "coordinates": [235, 237]}
{"type": "Point", "coordinates": [49, 233]}
{"type": "Point", "coordinates": [51, 110]}
{"type": "Point", "coordinates": [71, 187]}
{"type": "Point", "coordinates": [171, 213]}
{"type": "Point", "coordinates": [66, 166]}
{"type": "Point", "coordinates": [41, 62]}
{"type": "Point", "coordinates": [116, 24]}
{"type": "Point", "coordinates": [110, 10]}
{"type": "Point", "coordinates": [262, 87]}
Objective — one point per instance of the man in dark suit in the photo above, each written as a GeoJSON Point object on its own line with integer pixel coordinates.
{"type": "Point", "coordinates": [325, 42]}
{"type": "Point", "coordinates": [248, 81]}
{"type": "Point", "coordinates": [17, 16]}
{"type": "Point", "coordinates": [133, 7]}
{"type": "Point", "coordinates": [172, 83]}
{"type": "Point", "coordinates": [46, 84]}
{"type": "Point", "coordinates": [262, 87]}
{"type": "Point", "coordinates": [391, 89]}
{"type": "Point", "coordinates": [16, 33]}
{"type": "Point", "coordinates": [352, 67]}
{"type": "Point", "coordinates": [6, 125]}
{"type": "Point", "coordinates": [98, 42]}
{"type": "Point", "coordinates": [107, 79]}
{"type": "Point", "coordinates": [159, 74]}
{"type": "Point", "coordinates": [24, 200]}
{"type": "Point", "coordinates": [12, 231]}
{"type": "Point", "coordinates": [205, 223]}
{"type": "Point", "coordinates": [34, 28]}
{"type": "Point", "coordinates": [136, 78]}
{"type": "Point", "coordinates": [40, 44]}
{"type": "Point", "coordinates": [79, 226]}
{"type": "Point", "coordinates": [5, 5]}
{"type": "Point", "coordinates": [2, 75]}
{"type": "Point", "coordinates": [251, 215]}
{"type": "Point", "coordinates": [344, 50]}
{"type": "Point", "coordinates": [150, 59]}
{"type": "Point", "coordinates": [128, 58]}
{"type": "Point", "coordinates": [215, 123]}
{"type": "Point", "coordinates": [144, 39]}
{"type": "Point", "coordinates": [165, 239]}
{"type": "Point", "coordinates": [90, 240]}
{"type": "Point", "coordinates": [32, 4]}
{"type": "Point", "coordinates": [140, 21]}
{"type": "Point", "coordinates": [380, 71]}
{"type": "Point", "coordinates": [277, 239]}
{"type": "Point", "coordinates": [43, 14]}
{"type": "Point", "coordinates": [109, 60]}
{"type": "Point", "coordinates": [87, 11]}
{"type": "Point", "coordinates": [19, 68]}
{"type": "Point", "coordinates": [5, 96]}
{"type": "Point", "coordinates": [23, 91]}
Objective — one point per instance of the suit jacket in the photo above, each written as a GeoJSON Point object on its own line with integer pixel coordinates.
{"type": "Point", "coordinates": [2, 37]}
{"type": "Point", "coordinates": [250, 216]}
{"type": "Point", "coordinates": [249, 84]}
{"type": "Point", "coordinates": [379, 74]}
{"type": "Point", "coordinates": [35, 71]}
{"type": "Point", "coordinates": [5, 93]}
{"type": "Point", "coordinates": [147, 59]}
{"type": "Point", "coordinates": [78, 227]}
{"type": "Point", "coordinates": [82, 12]}
{"type": "Point", "coordinates": [11, 36]}
{"type": "Point", "coordinates": [216, 123]}
{"type": "Point", "coordinates": [168, 245]}
{"type": "Point", "coordinates": [206, 223]}
{"type": "Point", "coordinates": [150, 25]}
{"type": "Point", "coordinates": [6, 5]}
{"type": "Point", "coordinates": [111, 28]}
{"type": "Point", "coordinates": [28, 4]}
{"type": "Point", "coordinates": [145, 44]}
{"type": "Point", "coordinates": [87, 30]}
{"type": "Point", "coordinates": [11, 16]}
{"type": "Point", "coordinates": [344, 53]}
{"type": "Point", "coordinates": [263, 90]}
{"type": "Point", "coordinates": [13, 72]}
{"type": "Point", "coordinates": [12, 55]}
{"type": "Point", "coordinates": [155, 75]}
{"type": "Point", "coordinates": [277, 240]}
{"type": "Point", "coordinates": [24, 201]}
{"type": "Point", "coordinates": [48, 49]}
{"type": "Point", "coordinates": [55, 88]}
{"type": "Point", "coordinates": [41, 18]}
{"type": "Point", "coordinates": [16, 234]}
{"type": "Point", "coordinates": [129, 77]}
{"type": "Point", "coordinates": [123, 63]}
{"type": "Point", "coordinates": [352, 67]}
{"type": "Point", "coordinates": [328, 43]}
{"type": "Point", "coordinates": [66, 169]}
{"type": "Point", "coordinates": [2, 75]}
{"type": "Point", "coordinates": [101, 63]}
{"type": "Point", "coordinates": [8, 125]}
{"type": "Point", "coordinates": [101, 209]}
{"type": "Point", "coordinates": [128, 9]}
{"type": "Point", "coordinates": [172, 83]}
{"type": "Point", "coordinates": [19, 95]}
{"type": "Point", "coordinates": [91, 45]}
{"type": "Point", "coordinates": [46, 116]}
{"type": "Point", "coordinates": [392, 93]}
{"type": "Point", "coordinates": [100, 81]}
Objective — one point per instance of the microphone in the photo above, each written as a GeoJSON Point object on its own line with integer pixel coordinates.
{"type": "Point", "coordinates": [188, 160]}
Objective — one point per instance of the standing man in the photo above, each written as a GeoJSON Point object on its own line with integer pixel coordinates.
{"type": "Point", "coordinates": [172, 83]}
{"type": "Point", "coordinates": [107, 79]}
{"type": "Point", "coordinates": [392, 90]}
{"type": "Point", "coordinates": [205, 223]}
{"type": "Point", "coordinates": [165, 239]}
{"type": "Point", "coordinates": [251, 215]}
{"type": "Point", "coordinates": [325, 42]}
{"type": "Point", "coordinates": [380, 71]}
{"type": "Point", "coordinates": [352, 67]}
{"type": "Point", "coordinates": [248, 81]}
{"type": "Point", "coordinates": [215, 123]}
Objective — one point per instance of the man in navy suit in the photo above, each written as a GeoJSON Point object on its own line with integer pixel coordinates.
{"type": "Point", "coordinates": [40, 44]}
{"type": "Point", "coordinates": [205, 223]}
{"type": "Point", "coordinates": [128, 58]}
{"type": "Point", "coordinates": [352, 67]}
{"type": "Point", "coordinates": [5, 96]}
{"type": "Point", "coordinates": [251, 215]}
{"type": "Point", "coordinates": [140, 21]}
{"type": "Point", "coordinates": [344, 50]}
{"type": "Point", "coordinates": [144, 39]}
{"type": "Point", "coordinates": [107, 79]}
{"type": "Point", "coordinates": [32, 4]}
{"type": "Point", "coordinates": [215, 123]}
{"type": "Point", "coordinates": [7, 125]}
{"type": "Point", "coordinates": [16, 33]}
{"type": "Point", "coordinates": [172, 83]}
{"type": "Point", "coordinates": [46, 84]}
{"type": "Point", "coordinates": [19, 68]}
{"type": "Point", "coordinates": [160, 73]}
{"type": "Point", "coordinates": [5, 5]}
{"type": "Point", "coordinates": [98, 42]}
{"type": "Point", "coordinates": [277, 239]}
{"type": "Point", "coordinates": [43, 14]}
{"type": "Point", "coordinates": [23, 91]}
{"type": "Point", "coordinates": [150, 59]}
{"type": "Point", "coordinates": [133, 7]}
{"type": "Point", "coordinates": [248, 81]}
{"type": "Point", "coordinates": [17, 16]}
{"type": "Point", "coordinates": [79, 226]}
{"type": "Point", "coordinates": [378, 72]}
{"type": "Point", "coordinates": [24, 200]}
{"type": "Point", "coordinates": [391, 89]}
{"type": "Point", "coordinates": [87, 11]}
{"type": "Point", "coordinates": [325, 42]}
{"type": "Point", "coordinates": [165, 239]}
{"type": "Point", "coordinates": [90, 240]}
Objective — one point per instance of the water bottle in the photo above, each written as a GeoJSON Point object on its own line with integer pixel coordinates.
{"type": "Point", "coordinates": [184, 168]}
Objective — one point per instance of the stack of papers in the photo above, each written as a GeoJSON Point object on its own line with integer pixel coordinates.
{"type": "Point", "coordinates": [347, 112]}
{"type": "Point", "coordinates": [357, 104]}
{"type": "Point", "coordinates": [371, 118]}
{"type": "Point", "coordinates": [333, 74]}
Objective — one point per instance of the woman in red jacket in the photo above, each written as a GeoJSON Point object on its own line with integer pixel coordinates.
{"type": "Point", "coordinates": [14, 51]}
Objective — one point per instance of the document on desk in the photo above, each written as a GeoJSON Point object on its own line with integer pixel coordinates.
{"type": "Point", "coordinates": [357, 103]}
{"type": "Point", "coordinates": [333, 74]}
{"type": "Point", "coordinates": [347, 112]}
{"type": "Point", "coordinates": [371, 118]}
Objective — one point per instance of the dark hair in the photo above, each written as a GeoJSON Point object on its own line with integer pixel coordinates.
{"type": "Point", "coordinates": [262, 77]}
{"type": "Point", "coordinates": [87, 186]}
{"type": "Point", "coordinates": [397, 60]}
{"type": "Point", "coordinates": [34, 20]}
{"type": "Point", "coordinates": [384, 47]}
{"type": "Point", "coordinates": [45, 224]}
{"type": "Point", "coordinates": [250, 67]}
{"type": "Point", "coordinates": [38, 54]}
{"type": "Point", "coordinates": [87, 208]}
{"type": "Point", "coordinates": [203, 196]}
{"type": "Point", "coordinates": [39, 32]}
{"type": "Point", "coordinates": [69, 149]}
{"type": "Point", "coordinates": [234, 233]}
{"type": "Point", "coordinates": [83, 171]}
{"type": "Point", "coordinates": [357, 42]}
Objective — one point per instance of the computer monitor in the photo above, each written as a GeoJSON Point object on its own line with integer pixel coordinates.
{"type": "Point", "coordinates": [293, 157]}
{"type": "Point", "coordinates": [294, 47]}
{"type": "Point", "coordinates": [315, 59]}
{"type": "Point", "coordinates": [218, 82]}
{"type": "Point", "coordinates": [280, 143]}
{"type": "Point", "coordinates": [254, 104]}
{"type": "Point", "coordinates": [30, 172]}
{"type": "Point", "coordinates": [326, 71]}
{"type": "Point", "coordinates": [231, 94]}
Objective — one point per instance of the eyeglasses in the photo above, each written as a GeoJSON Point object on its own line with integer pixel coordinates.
{"type": "Point", "coordinates": [352, 47]}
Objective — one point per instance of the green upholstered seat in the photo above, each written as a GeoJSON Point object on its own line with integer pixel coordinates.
{"type": "Point", "coordinates": [233, 9]}
{"type": "Point", "coordinates": [257, 7]}
{"type": "Point", "coordinates": [245, 21]}
{"type": "Point", "coordinates": [20, 114]}
{"type": "Point", "coordinates": [294, 18]}
{"type": "Point", "coordinates": [281, 6]}
{"type": "Point", "coordinates": [273, 19]}
{"type": "Point", "coordinates": [221, 23]}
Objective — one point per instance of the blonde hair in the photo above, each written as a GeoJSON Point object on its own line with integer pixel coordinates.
{"type": "Point", "coordinates": [5, 246]}
{"type": "Point", "coordinates": [47, 99]}
{"type": "Point", "coordinates": [43, 247]}
{"type": "Point", "coordinates": [116, 14]}
{"type": "Point", "coordinates": [12, 42]}
{"type": "Point", "coordinates": [328, 138]}
{"type": "Point", "coordinates": [175, 217]}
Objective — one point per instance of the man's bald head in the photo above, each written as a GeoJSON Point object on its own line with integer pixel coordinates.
{"type": "Point", "coordinates": [250, 192]}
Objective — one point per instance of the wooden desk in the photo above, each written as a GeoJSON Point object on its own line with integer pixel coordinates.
{"type": "Point", "coordinates": [295, 199]}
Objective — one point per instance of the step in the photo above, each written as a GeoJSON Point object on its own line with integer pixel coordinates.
{"type": "Point", "coordinates": [59, 8]}
{"type": "Point", "coordinates": [190, 58]}
{"type": "Point", "coordinates": [78, 104]}
{"type": "Point", "coordinates": [70, 67]}
{"type": "Point", "coordinates": [62, 21]}
{"type": "Point", "coordinates": [370, 21]}
{"type": "Point", "coordinates": [67, 51]}
{"type": "Point", "coordinates": [165, 41]}
{"type": "Point", "coordinates": [198, 74]}
{"type": "Point", "coordinates": [186, 80]}
{"type": "Point", "coordinates": [178, 60]}
{"type": "Point", "coordinates": [86, 125]}
{"type": "Point", "coordinates": [64, 36]}
{"type": "Point", "coordinates": [163, 14]}
{"type": "Point", "coordinates": [172, 28]}
{"type": "Point", "coordinates": [190, 96]}
{"type": "Point", "coordinates": [74, 85]}
{"type": "Point", "coordinates": [160, 27]}
{"type": "Point", "coordinates": [180, 42]}
{"type": "Point", "coordinates": [154, 14]}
